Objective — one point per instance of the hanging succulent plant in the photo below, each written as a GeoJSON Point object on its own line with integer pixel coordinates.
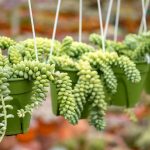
{"type": "Point", "coordinates": [25, 50]}
{"type": "Point", "coordinates": [41, 75]}
{"type": "Point", "coordinates": [89, 89]}
{"type": "Point", "coordinates": [99, 68]}
{"type": "Point", "coordinates": [5, 74]}
{"type": "Point", "coordinates": [93, 71]}
{"type": "Point", "coordinates": [74, 49]}
{"type": "Point", "coordinates": [18, 64]}
{"type": "Point", "coordinates": [111, 46]}
{"type": "Point", "coordinates": [134, 46]}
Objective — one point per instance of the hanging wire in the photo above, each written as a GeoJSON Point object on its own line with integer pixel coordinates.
{"type": "Point", "coordinates": [142, 21]}
{"type": "Point", "coordinates": [143, 25]}
{"type": "Point", "coordinates": [33, 29]}
{"type": "Point", "coordinates": [144, 16]}
{"type": "Point", "coordinates": [101, 24]}
{"type": "Point", "coordinates": [148, 58]}
{"type": "Point", "coordinates": [108, 18]}
{"type": "Point", "coordinates": [117, 20]}
{"type": "Point", "coordinates": [80, 20]}
{"type": "Point", "coordinates": [54, 30]}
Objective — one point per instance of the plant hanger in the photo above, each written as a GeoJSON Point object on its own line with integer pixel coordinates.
{"type": "Point", "coordinates": [80, 20]}
{"type": "Point", "coordinates": [105, 30]}
{"type": "Point", "coordinates": [33, 29]}
{"type": "Point", "coordinates": [56, 22]}
{"type": "Point", "coordinates": [53, 33]}
{"type": "Point", "coordinates": [117, 20]}
{"type": "Point", "coordinates": [54, 29]}
{"type": "Point", "coordinates": [143, 24]}
{"type": "Point", "coordinates": [101, 24]}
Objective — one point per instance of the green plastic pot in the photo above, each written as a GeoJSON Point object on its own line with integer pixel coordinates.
{"type": "Point", "coordinates": [128, 93]}
{"type": "Point", "coordinates": [21, 92]}
{"type": "Point", "coordinates": [71, 72]}
{"type": "Point", "coordinates": [147, 82]}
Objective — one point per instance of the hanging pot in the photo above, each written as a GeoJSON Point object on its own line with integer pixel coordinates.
{"type": "Point", "coordinates": [128, 93]}
{"type": "Point", "coordinates": [147, 82]}
{"type": "Point", "coordinates": [21, 92]}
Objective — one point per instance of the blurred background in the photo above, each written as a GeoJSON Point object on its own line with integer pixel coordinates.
{"type": "Point", "coordinates": [126, 130]}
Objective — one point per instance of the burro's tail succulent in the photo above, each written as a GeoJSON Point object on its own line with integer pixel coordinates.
{"type": "Point", "coordinates": [66, 101]}
{"type": "Point", "coordinates": [89, 89]}
{"type": "Point", "coordinates": [5, 74]}
{"type": "Point", "coordinates": [6, 42]}
{"type": "Point", "coordinates": [74, 49]}
{"type": "Point", "coordinates": [98, 58]}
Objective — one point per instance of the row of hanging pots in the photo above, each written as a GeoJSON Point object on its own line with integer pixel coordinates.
{"type": "Point", "coordinates": [128, 94]}
{"type": "Point", "coordinates": [21, 93]}
{"type": "Point", "coordinates": [96, 80]}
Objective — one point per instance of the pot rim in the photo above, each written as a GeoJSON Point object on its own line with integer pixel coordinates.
{"type": "Point", "coordinates": [16, 79]}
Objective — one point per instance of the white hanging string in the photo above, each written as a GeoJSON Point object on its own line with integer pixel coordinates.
{"type": "Point", "coordinates": [144, 16]}
{"type": "Point", "coordinates": [143, 25]}
{"type": "Point", "coordinates": [54, 30]}
{"type": "Point", "coordinates": [101, 24]}
{"type": "Point", "coordinates": [117, 20]}
{"type": "Point", "coordinates": [148, 58]}
{"type": "Point", "coordinates": [80, 20]}
{"type": "Point", "coordinates": [107, 19]}
{"type": "Point", "coordinates": [142, 21]}
{"type": "Point", "coordinates": [33, 29]}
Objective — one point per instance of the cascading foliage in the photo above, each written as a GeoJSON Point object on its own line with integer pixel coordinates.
{"type": "Point", "coordinates": [96, 67]}
{"type": "Point", "coordinates": [66, 99]}
{"type": "Point", "coordinates": [95, 74]}
{"type": "Point", "coordinates": [111, 46]}
{"type": "Point", "coordinates": [112, 59]}
{"type": "Point", "coordinates": [5, 74]}
{"type": "Point", "coordinates": [63, 61]}
{"type": "Point", "coordinates": [19, 64]}
{"type": "Point", "coordinates": [74, 49]}
{"type": "Point", "coordinates": [139, 44]}
{"type": "Point", "coordinates": [41, 75]}
{"type": "Point", "coordinates": [24, 50]}
{"type": "Point", "coordinates": [89, 89]}
{"type": "Point", "coordinates": [136, 47]}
